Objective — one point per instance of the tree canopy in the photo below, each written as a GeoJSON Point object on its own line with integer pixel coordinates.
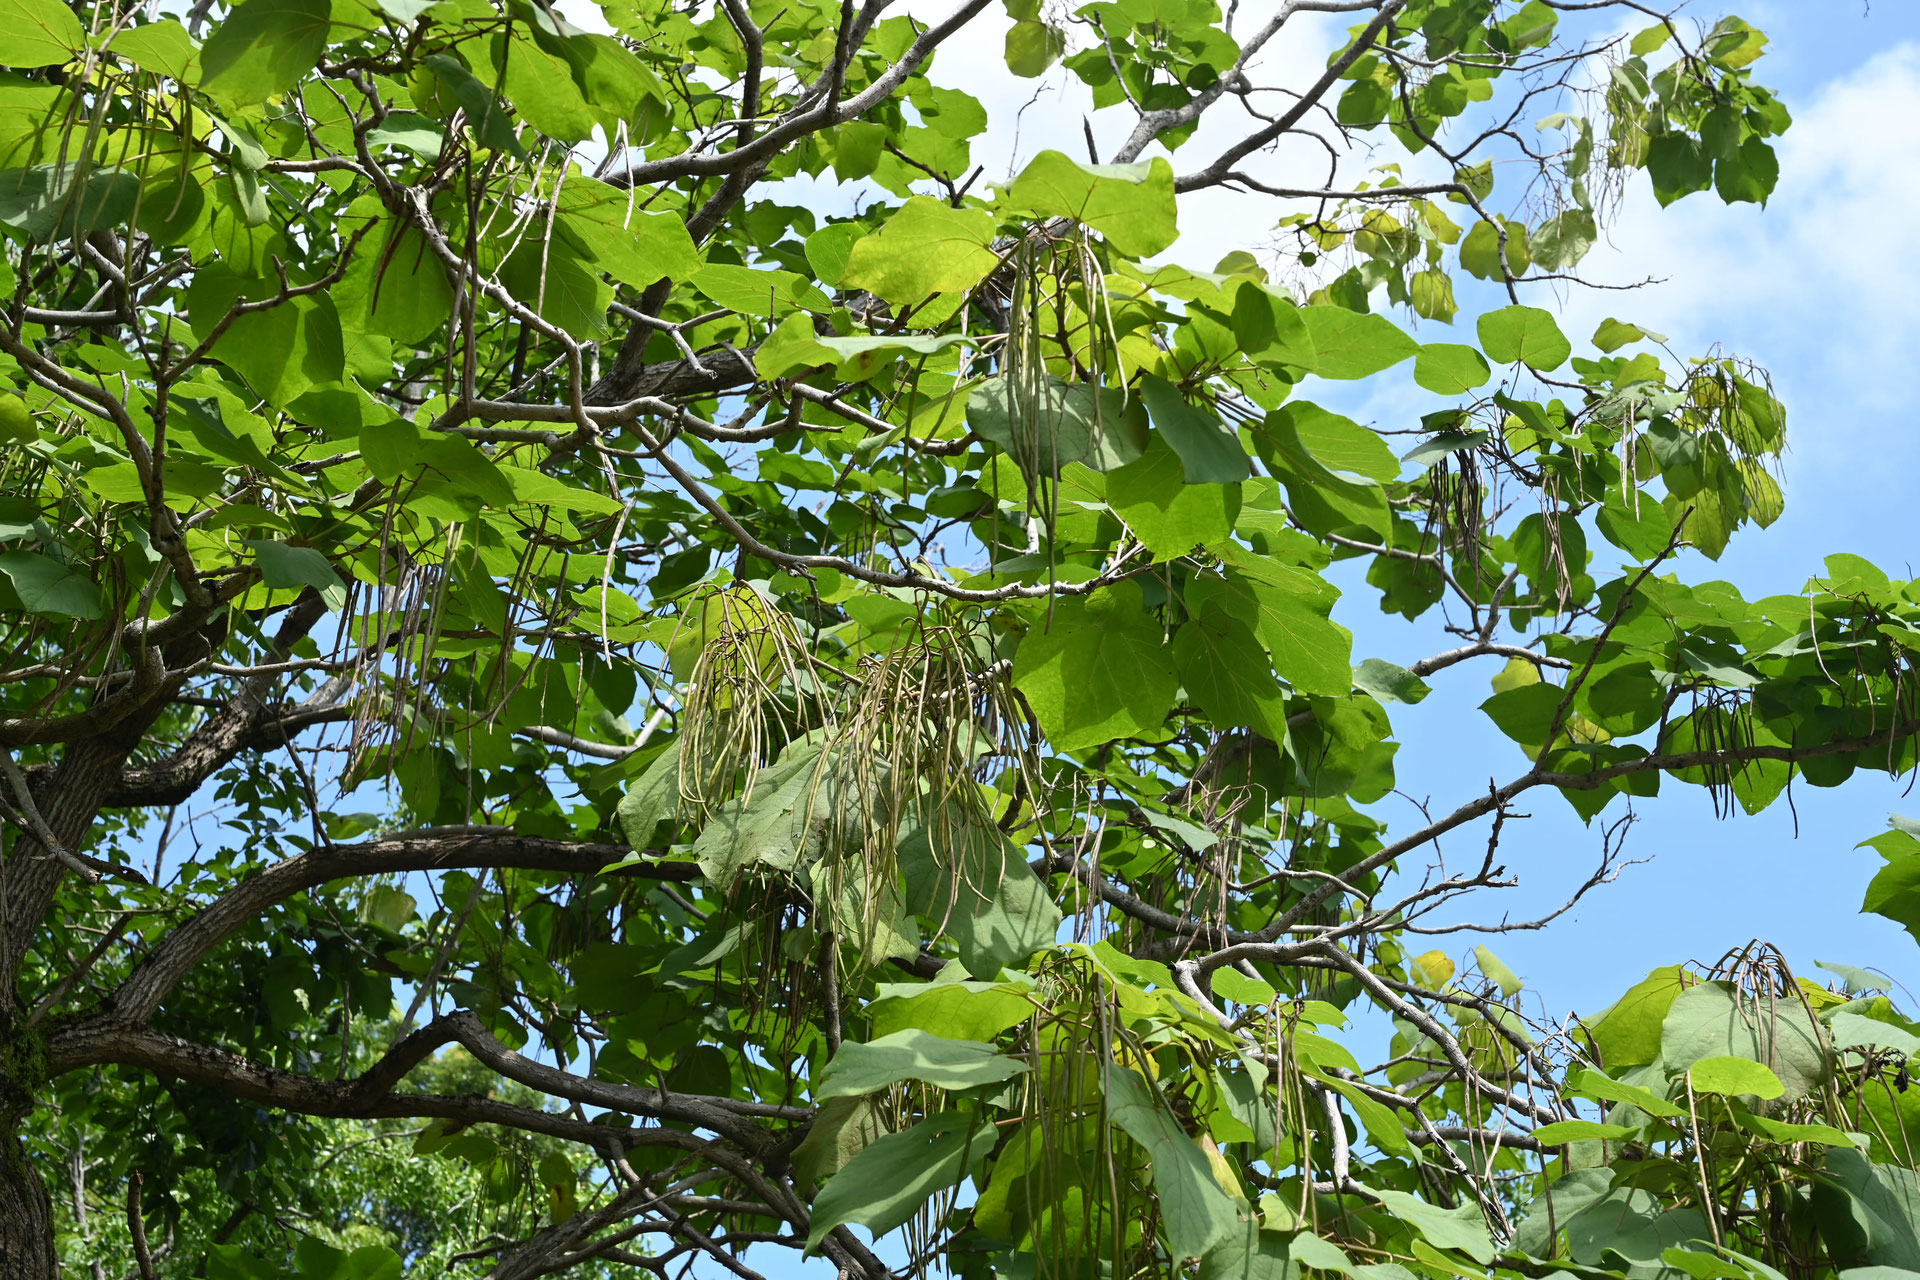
{"type": "Point", "coordinates": [621, 657]}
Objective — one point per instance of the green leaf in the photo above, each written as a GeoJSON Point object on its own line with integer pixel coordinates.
{"type": "Point", "coordinates": [844, 1128]}
{"type": "Point", "coordinates": [1231, 984]}
{"type": "Point", "coordinates": [1615, 334]}
{"type": "Point", "coordinates": [1209, 450]}
{"type": "Point", "coordinates": [1447, 442]}
{"type": "Point", "coordinates": [1524, 335]}
{"type": "Point", "coordinates": [1497, 972]}
{"type": "Point", "coordinates": [1480, 250]}
{"type": "Point", "coordinates": [1227, 675]}
{"type": "Point", "coordinates": [1289, 609]}
{"type": "Point", "coordinates": [1782, 1131]}
{"type": "Point", "coordinates": [1748, 175]}
{"type": "Point", "coordinates": [1554, 1135]}
{"type": "Point", "coordinates": [40, 33]}
{"type": "Point", "coordinates": [1526, 714]}
{"type": "Point", "coordinates": [47, 586]}
{"type": "Point", "coordinates": [1712, 1020]}
{"type": "Point", "coordinates": [1461, 1228]}
{"type": "Point", "coordinates": [1098, 672]}
{"type": "Point", "coordinates": [1636, 524]}
{"type": "Point", "coordinates": [1595, 1085]}
{"type": "Point", "coordinates": [55, 201]}
{"type": "Point", "coordinates": [1733, 1077]}
{"type": "Point", "coordinates": [1350, 344]}
{"type": "Point", "coordinates": [285, 567]}
{"type": "Point", "coordinates": [1095, 426]}
{"type": "Point", "coordinates": [1341, 444]}
{"type": "Point", "coordinates": [928, 247]}
{"type": "Point", "coordinates": [1450, 369]}
{"type": "Point", "coordinates": [913, 1055]}
{"type": "Point", "coordinates": [1564, 239]}
{"type": "Point", "coordinates": [1166, 513]}
{"type": "Point", "coordinates": [1033, 46]}
{"type": "Point", "coordinates": [1550, 1212]}
{"type": "Point", "coordinates": [1195, 1213]}
{"type": "Point", "coordinates": [1628, 1032]}
{"type": "Point", "coordinates": [263, 48]}
{"type": "Point", "coordinates": [1390, 683]}
{"type": "Point", "coordinates": [966, 878]}
{"type": "Point", "coordinates": [653, 798]}
{"type": "Point", "coordinates": [1678, 165]}
{"type": "Point", "coordinates": [1251, 1253]}
{"type": "Point", "coordinates": [1131, 205]}
{"type": "Point", "coordinates": [960, 1010]}
{"type": "Point", "coordinates": [887, 1182]}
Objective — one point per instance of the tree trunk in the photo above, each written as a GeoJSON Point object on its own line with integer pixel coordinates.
{"type": "Point", "coordinates": [26, 1213]}
{"type": "Point", "coordinates": [26, 1217]}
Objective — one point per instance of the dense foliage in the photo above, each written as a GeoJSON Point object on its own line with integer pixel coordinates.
{"type": "Point", "coordinates": [617, 656]}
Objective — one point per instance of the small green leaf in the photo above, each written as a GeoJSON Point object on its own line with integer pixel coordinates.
{"type": "Point", "coordinates": [1615, 334]}
{"type": "Point", "coordinates": [1734, 1076]}
{"type": "Point", "coordinates": [1389, 682]}
{"type": "Point", "coordinates": [1497, 972]}
{"type": "Point", "coordinates": [285, 567]}
{"type": "Point", "coordinates": [1554, 1135]}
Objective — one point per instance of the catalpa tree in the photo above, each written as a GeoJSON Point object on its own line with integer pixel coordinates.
{"type": "Point", "coordinates": [565, 710]}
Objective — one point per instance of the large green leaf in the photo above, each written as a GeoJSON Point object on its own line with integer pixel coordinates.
{"type": "Point", "coordinates": [40, 33]}
{"type": "Point", "coordinates": [961, 1010]}
{"type": "Point", "coordinates": [913, 1054]}
{"type": "Point", "coordinates": [1097, 670]}
{"type": "Point", "coordinates": [1289, 610]}
{"type": "Point", "coordinates": [1341, 444]}
{"type": "Point", "coordinates": [1714, 1020]}
{"type": "Point", "coordinates": [1170, 516]}
{"type": "Point", "coordinates": [1058, 423]}
{"type": "Point", "coordinates": [1353, 344]}
{"type": "Point", "coordinates": [889, 1179]}
{"type": "Point", "coordinates": [1524, 335]}
{"type": "Point", "coordinates": [1868, 1213]}
{"type": "Point", "coordinates": [1195, 1213]}
{"type": "Point", "coordinates": [288, 567]}
{"type": "Point", "coordinates": [966, 877]}
{"type": "Point", "coordinates": [1627, 1034]}
{"type": "Point", "coordinates": [1208, 448]}
{"type": "Point", "coordinates": [1463, 1228]}
{"type": "Point", "coordinates": [1131, 205]}
{"type": "Point", "coordinates": [927, 247]}
{"type": "Point", "coordinates": [46, 585]}
{"type": "Point", "coordinates": [263, 48]}
{"type": "Point", "coordinates": [1226, 672]}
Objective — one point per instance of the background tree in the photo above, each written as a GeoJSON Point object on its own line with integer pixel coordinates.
{"type": "Point", "coordinates": [721, 720]}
